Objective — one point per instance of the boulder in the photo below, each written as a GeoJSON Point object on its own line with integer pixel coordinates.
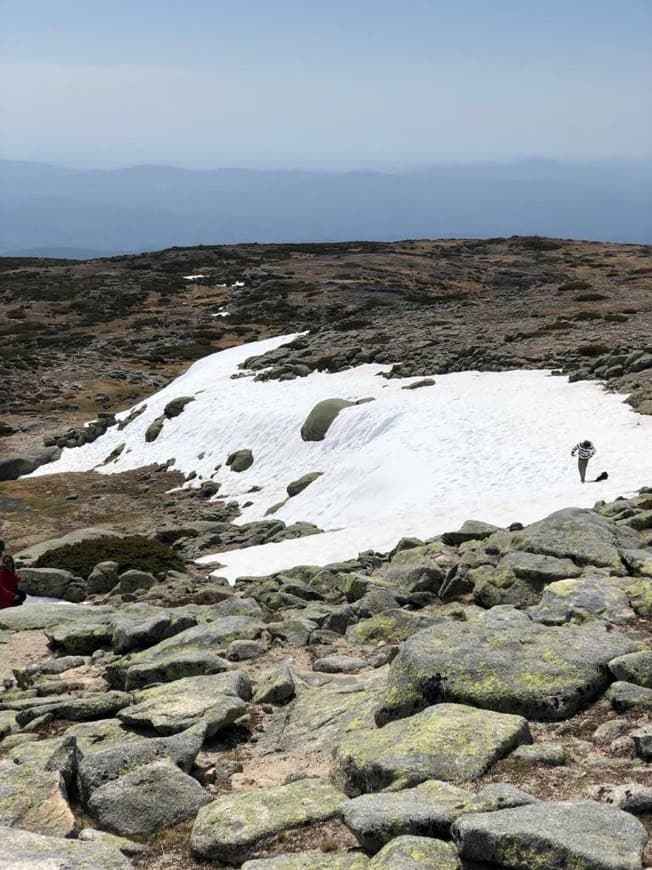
{"type": "Point", "coordinates": [519, 578]}
{"type": "Point", "coordinates": [13, 467]}
{"type": "Point", "coordinates": [176, 406]}
{"type": "Point", "coordinates": [580, 834]}
{"type": "Point", "coordinates": [584, 536]}
{"type": "Point", "coordinates": [240, 460]}
{"type": "Point", "coordinates": [141, 627]}
{"type": "Point", "coordinates": [154, 429]}
{"type": "Point", "coordinates": [96, 706]}
{"type": "Point", "coordinates": [339, 664]}
{"type": "Point", "coordinates": [53, 583]}
{"type": "Point", "coordinates": [147, 799]}
{"type": "Point", "coordinates": [320, 419]}
{"type": "Point", "coordinates": [449, 742]}
{"type": "Point", "coordinates": [390, 626]}
{"type": "Point", "coordinates": [633, 797]}
{"type": "Point", "coordinates": [551, 754]}
{"type": "Point", "coordinates": [504, 661]}
{"type": "Point", "coordinates": [633, 668]}
{"type": "Point", "coordinates": [133, 580]}
{"type": "Point", "coordinates": [276, 686]}
{"type": "Point", "coordinates": [23, 849]}
{"type": "Point", "coordinates": [301, 483]}
{"type": "Point", "coordinates": [642, 738]}
{"type": "Point", "coordinates": [471, 530]}
{"type": "Point", "coordinates": [629, 696]}
{"type": "Point", "coordinates": [230, 826]}
{"type": "Point", "coordinates": [103, 578]}
{"type": "Point", "coordinates": [216, 700]}
{"type": "Point", "coordinates": [416, 853]}
{"type": "Point", "coordinates": [583, 599]}
{"type": "Point", "coordinates": [130, 848]}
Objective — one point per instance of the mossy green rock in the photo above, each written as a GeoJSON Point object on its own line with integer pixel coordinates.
{"type": "Point", "coordinates": [310, 861]}
{"type": "Point", "coordinates": [53, 583]}
{"type": "Point", "coordinates": [449, 742]}
{"type": "Point", "coordinates": [275, 686]}
{"type": "Point", "coordinates": [231, 825]}
{"type": "Point", "coordinates": [634, 668]}
{"type": "Point", "coordinates": [638, 561]}
{"type": "Point", "coordinates": [23, 849]}
{"type": "Point", "coordinates": [576, 835]}
{"type": "Point", "coordinates": [639, 592]}
{"type": "Point", "coordinates": [584, 536]}
{"type": "Point", "coordinates": [583, 599]}
{"type": "Point", "coordinates": [506, 662]}
{"type": "Point", "coordinates": [414, 570]}
{"type": "Point", "coordinates": [416, 853]}
{"type": "Point", "coordinates": [216, 700]}
{"type": "Point", "coordinates": [390, 625]}
{"type": "Point", "coordinates": [519, 578]}
{"type": "Point", "coordinates": [321, 417]}
{"type": "Point", "coordinates": [34, 799]}
{"type": "Point", "coordinates": [628, 696]}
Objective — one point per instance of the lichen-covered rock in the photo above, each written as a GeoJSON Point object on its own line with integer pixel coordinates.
{"type": "Point", "coordinates": [519, 578]}
{"type": "Point", "coordinates": [23, 849]}
{"type": "Point", "coordinates": [103, 577]}
{"type": "Point", "coordinates": [504, 661]}
{"type": "Point", "coordinates": [633, 668]}
{"type": "Point", "coordinates": [147, 799]}
{"type": "Point", "coordinates": [276, 686]}
{"type": "Point", "coordinates": [639, 592]}
{"type": "Point", "coordinates": [130, 848]}
{"type": "Point", "coordinates": [320, 419]}
{"type": "Point", "coordinates": [187, 653]}
{"type": "Point", "coordinates": [34, 799]}
{"type": "Point", "coordinates": [471, 530]}
{"type": "Point", "coordinates": [629, 696]}
{"type": "Point", "coordinates": [390, 625]}
{"type": "Point", "coordinates": [583, 599]}
{"type": "Point", "coordinates": [581, 834]}
{"type": "Point", "coordinates": [414, 570]}
{"type": "Point", "coordinates": [83, 636]}
{"type": "Point", "coordinates": [133, 580]}
{"type": "Point", "coordinates": [96, 706]}
{"type": "Point", "coordinates": [229, 826]}
{"type": "Point", "coordinates": [339, 664]}
{"type": "Point", "coordinates": [551, 754]}
{"type": "Point", "coordinates": [584, 536]}
{"type": "Point", "coordinates": [142, 626]}
{"type": "Point", "coordinates": [217, 700]}
{"type": "Point", "coordinates": [633, 797]}
{"type": "Point", "coordinates": [450, 742]}
{"type": "Point", "coordinates": [638, 561]}
{"type": "Point", "coordinates": [642, 738]}
{"type": "Point", "coordinates": [416, 853]}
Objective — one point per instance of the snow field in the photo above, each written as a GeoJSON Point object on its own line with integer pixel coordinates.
{"type": "Point", "coordinates": [490, 446]}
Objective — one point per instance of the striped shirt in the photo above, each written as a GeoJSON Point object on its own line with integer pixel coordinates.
{"type": "Point", "coordinates": [583, 452]}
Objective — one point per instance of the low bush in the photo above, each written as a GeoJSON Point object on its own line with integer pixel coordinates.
{"type": "Point", "coordinates": [134, 551]}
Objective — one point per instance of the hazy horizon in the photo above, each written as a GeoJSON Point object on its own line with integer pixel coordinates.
{"type": "Point", "coordinates": [371, 85]}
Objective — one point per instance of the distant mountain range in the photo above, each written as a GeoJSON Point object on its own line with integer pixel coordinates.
{"type": "Point", "coordinates": [51, 211]}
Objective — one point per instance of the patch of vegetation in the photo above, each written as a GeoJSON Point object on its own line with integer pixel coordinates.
{"type": "Point", "coordinates": [589, 297]}
{"type": "Point", "coordinates": [575, 285]}
{"type": "Point", "coordinates": [535, 243]}
{"type": "Point", "coordinates": [134, 551]}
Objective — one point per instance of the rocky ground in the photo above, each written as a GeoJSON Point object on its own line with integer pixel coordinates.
{"type": "Point", "coordinates": [478, 700]}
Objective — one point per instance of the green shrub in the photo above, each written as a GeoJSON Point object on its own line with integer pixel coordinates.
{"type": "Point", "coordinates": [134, 551]}
{"type": "Point", "coordinates": [576, 285]}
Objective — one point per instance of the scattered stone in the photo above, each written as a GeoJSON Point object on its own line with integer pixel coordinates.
{"type": "Point", "coordinates": [581, 599]}
{"type": "Point", "coordinates": [633, 668]}
{"type": "Point", "coordinates": [310, 861]}
{"type": "Point", "coordinates": [551, 754]}
{"type": "Point", "coordinates": [130, 848]}
{"type": "Point", "coordinates": [34, 799]}
{"type": "Point", "coordinates": [241, 460]}
{"type": "Point", "coordinates": [301, 483]}
{"type": "Point", "coordinates": [243, 650]}
{"type": "Point", "coordinates": [176, 406]}
{"type": "Point", "coordinates": [642, 738]}
{"type": "Point", "coordinates": [631, 797]}
{"type": "Point", "coordinates": [339, 664]}
{"type": "Point", "coordinates": [471, 530]}
{"type": "Point", "coordinates": [320, 419]}
{"type": "Point", "coordinates": [628, 696]}
{"type": "Point", "coordinates": [275, 686]}
{"type": "Point", "coordinates": [53, 583]}
{"type": "Point", "coordinates": [154, 429]}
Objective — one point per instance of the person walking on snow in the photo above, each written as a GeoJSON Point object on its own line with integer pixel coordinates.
{"type": "Point", "coordinates": [585, 450]}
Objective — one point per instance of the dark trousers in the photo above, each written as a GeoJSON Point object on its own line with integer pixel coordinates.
{"type": "Point", "coordinates": [581, 464]}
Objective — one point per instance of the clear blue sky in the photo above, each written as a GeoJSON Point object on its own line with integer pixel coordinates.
{"type": "Point", "coordinates": [301, 83]}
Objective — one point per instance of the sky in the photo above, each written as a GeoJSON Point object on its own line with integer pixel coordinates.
{"type": "Point", "coordinates": [347, 84]}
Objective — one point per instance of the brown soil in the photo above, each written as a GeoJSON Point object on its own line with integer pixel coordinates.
{"type": "Point", "coordinates": [22, 648]}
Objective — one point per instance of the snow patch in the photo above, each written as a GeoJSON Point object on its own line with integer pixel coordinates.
{"type": "Point", "coordinates": [493, 446]}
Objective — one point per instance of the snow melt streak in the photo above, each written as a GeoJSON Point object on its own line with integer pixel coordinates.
{"type": "Point", "coordinates": [491, 446]}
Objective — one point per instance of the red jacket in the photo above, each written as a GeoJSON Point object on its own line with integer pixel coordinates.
{"type": "Point", "coordinates": [8, 587]}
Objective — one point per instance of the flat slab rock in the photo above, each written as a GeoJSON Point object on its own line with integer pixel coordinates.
{"type": "Point", "coordinates": [504, 661]}
{"type": "Point", "coordinates": [582, 835]}
{"type": "Point", "coordinates": [218, 700]}
{"type": "Point", "coordinates": [23, 849]}
{"type": "Point", "coordinates": [34, 799]}
{"type": "Point", "coordinates": [449, 742]}
{"type": "Point", "coordinates": [231, 825]}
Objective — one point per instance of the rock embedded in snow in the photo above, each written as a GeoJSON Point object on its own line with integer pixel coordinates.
{"type": "Point", "coordinates": [299, 485]}
{"type": "Point", "coordinates": [154, 429]}
{"type": "Point", "coordinates": [581, 834]}
{"type": "Point", "coordinates": [176, 406]}
{"type": "Point", "coordinates": [322, 416]}
{"type": "Point", "coordinates": [450, 742]}
{"type": "Point", "coordinates": [240, 460]}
